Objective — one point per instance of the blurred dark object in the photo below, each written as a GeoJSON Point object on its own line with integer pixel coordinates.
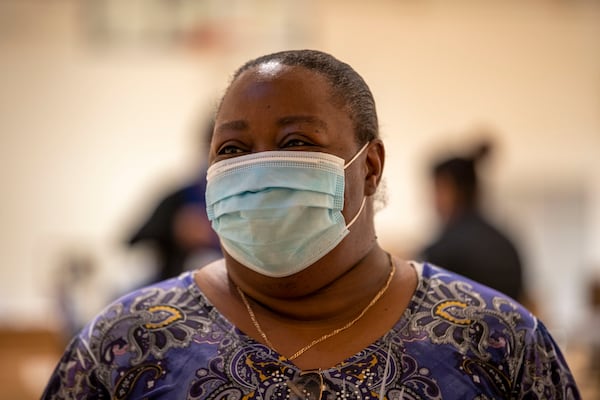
{"type": "Point", "coordinates": [178, 228]}
{"type": "Point", "coordinates": [468, 243]}
{"type": "Point", "coordinates": [592, 325]}
{"type": "Point", "coordinates": [179, 231]}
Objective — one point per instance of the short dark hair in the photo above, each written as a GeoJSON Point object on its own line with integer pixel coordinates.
{"type": "Point", "coordinates": [348, 86]}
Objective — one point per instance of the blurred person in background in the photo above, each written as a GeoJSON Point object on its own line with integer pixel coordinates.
{"type": "Point", "coordinates": [177, 230]}
{"type": "Point", "coordinates": [468, 242]}
{"type": "Point", "coordinates": [305, 303]}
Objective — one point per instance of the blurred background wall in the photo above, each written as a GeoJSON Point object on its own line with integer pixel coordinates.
{"type": "Point", "coordinates": [100, 102]}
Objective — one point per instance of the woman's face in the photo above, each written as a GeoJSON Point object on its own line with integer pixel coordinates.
{"type": "Point", "coordinates": [277, 107]}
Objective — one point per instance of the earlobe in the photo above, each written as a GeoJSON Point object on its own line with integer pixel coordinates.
{"type": "Point", "coordinates": [374, 163]}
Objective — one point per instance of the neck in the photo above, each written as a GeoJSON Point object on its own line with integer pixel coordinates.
{"type": "Point", "coordinates": [337, 300]}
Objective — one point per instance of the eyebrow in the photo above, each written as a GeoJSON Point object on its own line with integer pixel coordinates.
{"type": "Point", "coordinates": [242, 125]}
{"type": "Point", "coordinates": [293, 119]}
{"type": "Point", "coordinates": [237, 125]}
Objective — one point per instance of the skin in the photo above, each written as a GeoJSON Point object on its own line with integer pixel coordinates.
{"type": "Point", "coordinates": [276, 107]}
{"type": "Point", "coordinates": [445, 198]}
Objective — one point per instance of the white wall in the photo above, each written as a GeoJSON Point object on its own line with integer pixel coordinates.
{"type": "Point", "coordinates": [88, 137]}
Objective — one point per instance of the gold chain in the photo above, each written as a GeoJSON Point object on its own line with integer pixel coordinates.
{"type": "Point", "coordinates": [327, 335]}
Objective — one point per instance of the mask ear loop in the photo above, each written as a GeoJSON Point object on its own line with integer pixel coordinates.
{"type": "Point", "coordinates": [362, 205]}
{"type": "Point", "coordinates": [356, 155]}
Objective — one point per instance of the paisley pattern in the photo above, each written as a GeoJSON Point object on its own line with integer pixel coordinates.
{"type": "Point", "coordinates": [456, 340]}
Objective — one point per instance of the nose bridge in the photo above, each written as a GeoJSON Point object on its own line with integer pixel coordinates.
{"type": "Point", "coordinates": [261, 145]}
{"type": "Point", "coordinates": [262, 109]}
{"type": "Point", "coordinates": [264, 137]}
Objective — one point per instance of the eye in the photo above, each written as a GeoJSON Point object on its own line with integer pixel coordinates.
{"type": "Point", "coordinates": [296, 143]}
{"type": "Point", "coordinates": [229, 150]}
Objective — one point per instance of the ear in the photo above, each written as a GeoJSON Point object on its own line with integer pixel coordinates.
{"type": "Point", "coordinates": [374, 166]}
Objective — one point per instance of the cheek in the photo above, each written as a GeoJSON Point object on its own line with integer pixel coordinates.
{"type": "Point", "coordinates": [353, 192]}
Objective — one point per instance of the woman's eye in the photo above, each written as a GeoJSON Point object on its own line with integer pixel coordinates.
{"type": "Point", "coordinates": [295, 143]}
{"type": "Point", "coordinates": [227, 150]}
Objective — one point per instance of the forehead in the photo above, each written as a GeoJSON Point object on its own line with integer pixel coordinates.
{"type": "Point", "coordinates": [274, 87]}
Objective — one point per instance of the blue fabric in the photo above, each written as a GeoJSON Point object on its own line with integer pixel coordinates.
{"type": "Point", "coordinates": [456, 340]}
{"type": "Point", "coordinates": [277, 212]}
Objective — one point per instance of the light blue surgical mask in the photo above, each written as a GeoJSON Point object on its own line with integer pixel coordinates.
{"type": "Point", "coordinates": [278, 212]}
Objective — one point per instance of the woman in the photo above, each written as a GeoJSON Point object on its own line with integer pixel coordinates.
{"type": "Point", "coordinates": [305, 304]}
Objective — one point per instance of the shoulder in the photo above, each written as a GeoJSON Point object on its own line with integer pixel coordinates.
{"type": "Point", "coordinates": [141, 345]}
{"type": "Point", "coordinates": [486, 334]}
{"type": "Point", "coordinates": [489, 230]}
{"type": "Point", "coordinates": [433, 275]}
{"type": "Point", "coordinates": [151, 320]}
{"type": "Point", "coordinates": [141, 332]}
{"type": "Point", "coordinates": [447, 287]}
{"type": "Point", "coordinates": [158, 306]}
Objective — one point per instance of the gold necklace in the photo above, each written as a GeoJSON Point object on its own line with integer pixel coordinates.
{"type": "Point", "coordinates": [327, 335]}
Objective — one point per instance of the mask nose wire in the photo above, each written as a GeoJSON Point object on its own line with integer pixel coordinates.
{"type": "Point", "coordinates": [356, 155]}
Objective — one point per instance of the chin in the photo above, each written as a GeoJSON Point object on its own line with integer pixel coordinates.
{"type": "Point", "coordinates": [299, 284]}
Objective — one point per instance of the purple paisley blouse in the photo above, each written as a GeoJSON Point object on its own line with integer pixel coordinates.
{"type": "Point", "coordinates": [456, 340]}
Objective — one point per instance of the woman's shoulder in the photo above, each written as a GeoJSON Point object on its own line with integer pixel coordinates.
{"type": "Point", "coordinates": [143, 331]}
{"type": "Point", "coordinates": [174, 291]}
{"type": "Point", "coordinates": [176, 302]}
{"type": "Point", "coordinates": [458, 298]}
